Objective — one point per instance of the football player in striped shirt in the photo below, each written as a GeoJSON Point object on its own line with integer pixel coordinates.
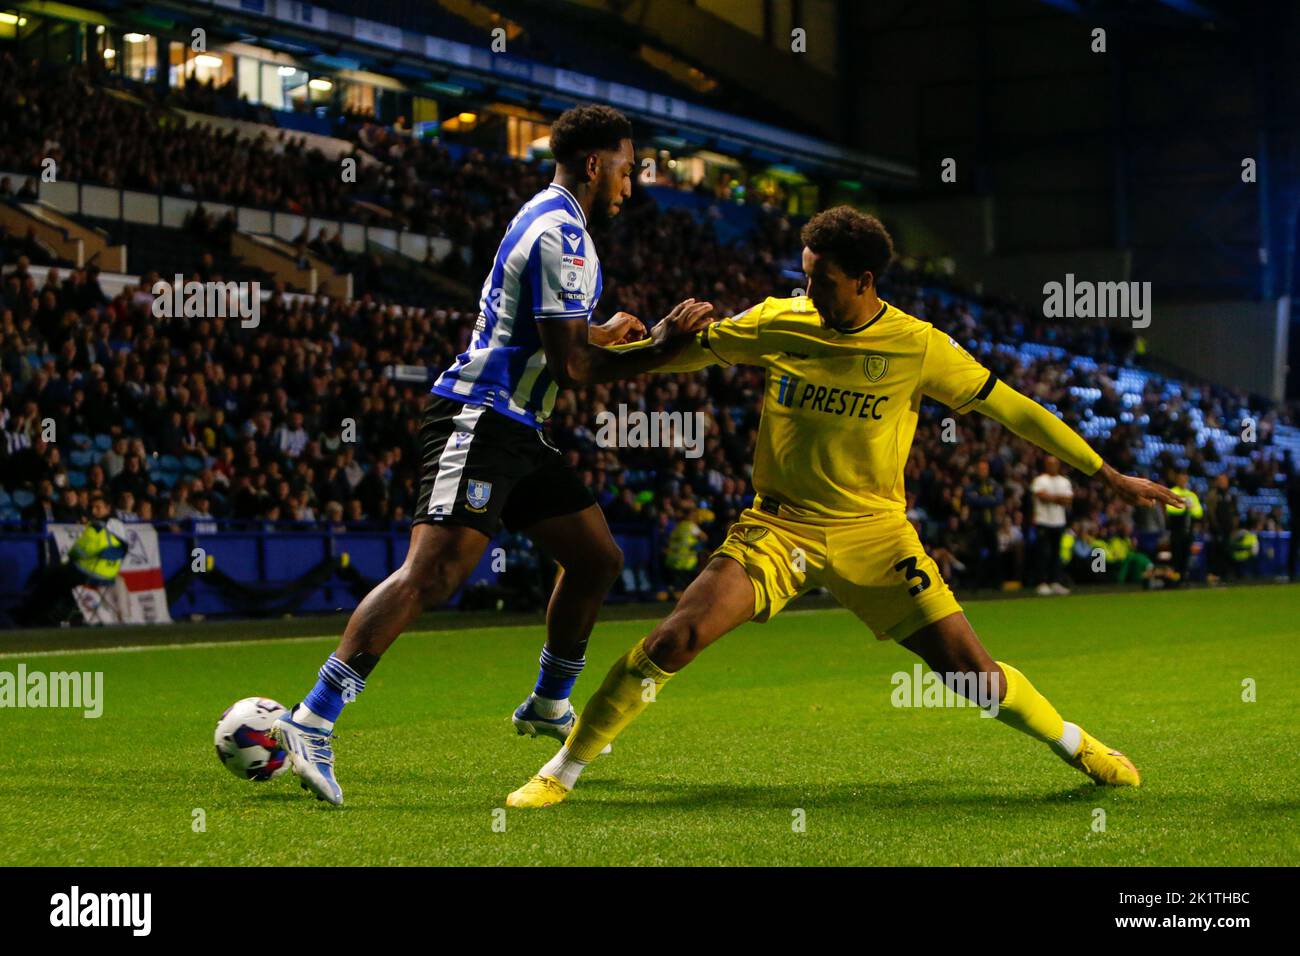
{"type": "Point", "coordinates": [486, 463]}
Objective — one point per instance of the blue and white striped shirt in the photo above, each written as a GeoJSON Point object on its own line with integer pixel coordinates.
{"type": "Point", "coordinates": [546, 269]}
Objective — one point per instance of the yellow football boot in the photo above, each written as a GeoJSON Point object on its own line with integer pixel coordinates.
{"type": "Point", "coordinates": [538, 792]}
{"type": "Point", "coordinates": [1104, 764]}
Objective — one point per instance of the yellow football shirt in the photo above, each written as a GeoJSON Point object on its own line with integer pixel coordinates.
{"type": "Point", "coordinates": [840, 407]}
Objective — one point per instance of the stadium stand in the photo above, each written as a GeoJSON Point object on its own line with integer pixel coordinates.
{"type": "Point", "coordinates": [181, 421]}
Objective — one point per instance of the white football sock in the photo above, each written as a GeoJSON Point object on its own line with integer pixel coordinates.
{"type": "Point", "coordinates": [548, 708]}
{"type": "Point", "coordinates": [302, 714]}
{"type": "Point", "coordinates": [564, 768]}
{"type": "Point", "coordinates": [1071, 740]}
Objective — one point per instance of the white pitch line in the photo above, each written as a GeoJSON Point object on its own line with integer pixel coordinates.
{"type": "Point", "coordinates": [138, 648]}
{"type": "Point", "coordinates": [207, 645]}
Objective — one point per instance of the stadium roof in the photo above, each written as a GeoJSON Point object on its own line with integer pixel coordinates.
{"type": "Point", "coordinates": [441, 66]}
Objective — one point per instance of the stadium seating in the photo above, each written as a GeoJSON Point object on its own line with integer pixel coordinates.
{"type": "Point", "coordinates": [328, 359]}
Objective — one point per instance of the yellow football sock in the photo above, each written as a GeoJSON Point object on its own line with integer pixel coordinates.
{"type": "Point", "coordinates": [1025, 709]}
{"type": "Point", "coordinates": [631, 683]}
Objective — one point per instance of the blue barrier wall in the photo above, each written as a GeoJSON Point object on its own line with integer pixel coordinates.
{"type": "Point", "coordinates": [278, 556]}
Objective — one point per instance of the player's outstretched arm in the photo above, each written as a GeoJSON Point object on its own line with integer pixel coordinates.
{"type": "Point", "coordinates": [692, 357]}
{"type": "Point", "coordinates": [1034, 423]}
{"type": "Point", "coordinates": [574, 360]}
{"type": "Point", "coordinates": [743, 339]}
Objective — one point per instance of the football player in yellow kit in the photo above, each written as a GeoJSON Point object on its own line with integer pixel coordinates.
{"type": "Point", "coordinates": [846, 372]}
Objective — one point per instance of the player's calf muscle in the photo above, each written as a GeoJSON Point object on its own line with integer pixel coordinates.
{"type": "Point", "coordinates": [951, 646]}
{"type": "Point", "coordinates": [380, 617]}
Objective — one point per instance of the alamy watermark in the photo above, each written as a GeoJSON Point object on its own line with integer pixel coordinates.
{"type": "Point", "coordinates": [638, 429]}
{"type": "Point", "coordinates": [78, 690]}
{"type": "Point", "coordinates": [133, 911]}
{"type": "Point", "coordinates": [208, 300]}
{"type": "Point", "coordinates": [925, 688]}
{"type": "Point", "coordinates": [1084, 299]}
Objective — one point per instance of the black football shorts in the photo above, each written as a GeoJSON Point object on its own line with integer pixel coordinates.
{"type": "Point", "coordinates": [483, 470]}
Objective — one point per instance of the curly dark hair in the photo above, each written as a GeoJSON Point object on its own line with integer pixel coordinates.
{"type": "Point", "coordinates": [585, 129]}
{"type": "Point", "coordinates": [855, 241]}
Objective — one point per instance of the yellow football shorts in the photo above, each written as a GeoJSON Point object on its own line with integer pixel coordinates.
{"type": "Point", "coordinates": [874, 566]}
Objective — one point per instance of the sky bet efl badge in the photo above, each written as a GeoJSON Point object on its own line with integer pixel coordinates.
{"type": "Point", "coordinates": [477, 494]}
{"type": "Point", "coordinates": [875, 366]}
{"type": "Point", "coordinates": [571, 272]}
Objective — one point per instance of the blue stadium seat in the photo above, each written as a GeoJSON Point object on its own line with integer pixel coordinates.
{"type": "Point", "coordinates": [76, 479]}
{"type": "Point", "coordinates": [81, 458]}
{"type": "Point", "coordinates": [5, 500]}
{"type": "Point", "coordinates": [23, 497]}
{"type": "Point", "coordinates": [81, 440]}
{"type": "Point", "coordinates": [103, 442]}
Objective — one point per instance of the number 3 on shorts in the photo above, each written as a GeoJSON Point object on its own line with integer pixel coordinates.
{"type": "Point", "coordinates": [910, 572]}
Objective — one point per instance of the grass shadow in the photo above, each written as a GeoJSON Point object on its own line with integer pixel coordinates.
{"type": "Point", "coordinates": [934, 794]}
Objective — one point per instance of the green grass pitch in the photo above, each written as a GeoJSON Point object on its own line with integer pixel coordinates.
{"type": "Point", "coordinates": [793, 715]}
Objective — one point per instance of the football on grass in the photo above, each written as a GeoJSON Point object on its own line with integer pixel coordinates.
{"type": "Point", "coordinates": [244, 742]}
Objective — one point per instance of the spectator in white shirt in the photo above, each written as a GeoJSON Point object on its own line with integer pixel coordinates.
{"type": "Point", "coordinates": [1053, 495]}
{"type": "Point", "coordinates": [291, 438]}
{"type": "Point", "coordinates": [114, 460]}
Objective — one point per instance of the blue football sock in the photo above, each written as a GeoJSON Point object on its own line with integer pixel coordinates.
{"type": "Point", "coordinates": [557, 676]}
{"type": "Point", "coordinates": [336, 685]}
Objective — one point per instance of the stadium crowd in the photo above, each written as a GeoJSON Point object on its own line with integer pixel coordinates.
{"type": "Point", "coordinates": [306, 418]}
{"type": "Point", "coordinates": [55, 112]}
{"type": "Point", "coordinates": [257, 417]}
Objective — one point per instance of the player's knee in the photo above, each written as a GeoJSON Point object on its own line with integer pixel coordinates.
{"type": "Point", "coordinates": [599, 567]}
{"type": "Point", "coordinates": [609, 564]}
{"type": "Point", "coordinates": [430, 583]}
{"type": "Point", "coordinates": [674, 642]}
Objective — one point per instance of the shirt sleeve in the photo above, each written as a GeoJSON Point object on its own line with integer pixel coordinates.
{"type": "Point", "coordinates": [562, 273]}
{"type": "Point", "coordinates": [1036, 424]}
{"type": "Point", "coordinates": [691, 358]}
{"type": "Point", "coordinates": [739, 339]}
{"type": "Point", "coordinates": [733, 341]}
{"type": "Point", "coordinates": [951, 375]}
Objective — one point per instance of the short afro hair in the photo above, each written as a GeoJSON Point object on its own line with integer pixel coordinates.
{"type": "Point", "coordinates": [584, 130]}
{"type": "Point", "coordinates": [853, 240]}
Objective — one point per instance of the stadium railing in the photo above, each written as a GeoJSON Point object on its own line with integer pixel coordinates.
{"type": "Point", "coordinates": [160, 209]}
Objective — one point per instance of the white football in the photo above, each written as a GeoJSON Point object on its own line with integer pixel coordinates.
{"type": "Point", "coordinates": [244, 741]}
